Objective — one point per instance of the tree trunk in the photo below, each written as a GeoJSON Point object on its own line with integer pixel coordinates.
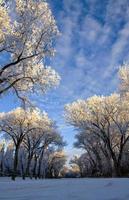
{"type": "Point", "coordinates": [28, 165]}
{"type": "Point", "coordinates": [15, 163]}
{"type": "Point", "coordinates": [35, 166]}
{"type": "Point", "coordinates": [117, 164]}
{"type": "Point", "coordinates": [22, 170]}
{"type": "Point", "coordinates": [1, 168]}
{"type": "Point", "coordinates": [116, 161]}
{"type": "Point", "coordinates": [40, 163]}
{"type": "Point", "coordinates": [117, 169]}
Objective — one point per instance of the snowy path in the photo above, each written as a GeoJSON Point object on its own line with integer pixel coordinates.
{"type": "Point", "coordinates": [65, 189]}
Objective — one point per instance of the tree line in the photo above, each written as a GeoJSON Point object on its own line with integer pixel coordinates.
{"type": "Point", "coordinates": [102, 125]}
{"type": "Point", "coordinates": [32, 143]}
{"type": "Point", "coordinates": [33, 147]}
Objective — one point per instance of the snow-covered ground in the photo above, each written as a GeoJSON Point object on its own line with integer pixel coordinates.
{"type": "Point", "coordinates": [65, 189]}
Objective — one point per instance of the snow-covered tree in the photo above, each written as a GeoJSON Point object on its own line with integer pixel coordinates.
{"type": "Point", "coordinates": [8, 158]}
{"type": "Point", "coordinates": [17, 124]}
{"type": "Point", "coordinates": [106, 119]}
{"type": "Point", "coordinates": [57, 160]}
{"type": "Point", "coordinates": [51, 138]}
{"type": "Point", "coordinates": [27, 32]}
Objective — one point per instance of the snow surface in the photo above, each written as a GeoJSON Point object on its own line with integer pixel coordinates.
{"type": "Point", "coordinates": [65, 189]}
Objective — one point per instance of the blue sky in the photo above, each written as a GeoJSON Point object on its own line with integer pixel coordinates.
{"type": "Point", "coordinates": [94, 41]}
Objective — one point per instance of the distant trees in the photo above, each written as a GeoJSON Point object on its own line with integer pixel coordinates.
{"type": "Point", "coordinates": [56, 162]}
{"type": "Point", "coordinates": [103, 129]}
{"type": "Point", "coordinates": [31, 133]}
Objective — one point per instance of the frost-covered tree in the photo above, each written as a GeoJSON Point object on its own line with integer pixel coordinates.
{"type": "Point", "coordinates": [32, 143]}
{"type": "Point", "coordinates": [38, 141]}
{"type": "Point", "coordinates": [31, 133]}
{"type": "Point", "coordinates": [56, 162]}
{"type": "Point", "coordinates": [27, 32]}
{"type": "Point", "coordinates": [8, 158]}
{"type": "Point", "coordinates": [51, 138]}
{"type": "Point", "coordinates": [106, 119]}
{"type": "Point", "coordinates": [17, 124]}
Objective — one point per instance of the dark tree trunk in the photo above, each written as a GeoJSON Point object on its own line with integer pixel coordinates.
{"type": "Point", "coordinates": [116, 161]}
{"type": "Point", "coordinates": [22, 170]}
{"type": "Point", "coordinates": [15, 163]}
{"type": "Point", "coordinates": [117, 168]}
{"type": "Point", "coordinates": [28, 165]}
{"type": "Point", "coordinates": [40, 163]}
{"type": "Point", "coordinates": [1, 168]}
{"type": "Point", "coordinates": [35, 166]}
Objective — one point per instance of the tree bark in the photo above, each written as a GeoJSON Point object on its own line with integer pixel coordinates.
{"type": "Point", "coordinates": [35, 166]}
{"type": "Point", "coordinates": [40, 163]}
{"type": "Point", "coordinates": [15, 163]}
{"type": "Point", "coordinates": [28, 165]}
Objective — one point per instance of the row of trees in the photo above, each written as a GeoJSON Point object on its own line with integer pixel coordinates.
{"type": "Point", "coordinates": [102, 124]}
{"type": "Point", "coordinates": [27, 33]}
{"type": "Point", "coordinates": [35, 148]}
{"type": "Point", "coordinates": [50, 167]}
{"type": "Point", "coordinates": [33, 145]}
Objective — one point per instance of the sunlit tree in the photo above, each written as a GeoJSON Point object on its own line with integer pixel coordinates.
{"type": "Point", "coordinates": [27, 32]}
{"type": "Point", "coordinates": [17, 124]}
{"type": "Point", "coordinates": [106, 118]}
